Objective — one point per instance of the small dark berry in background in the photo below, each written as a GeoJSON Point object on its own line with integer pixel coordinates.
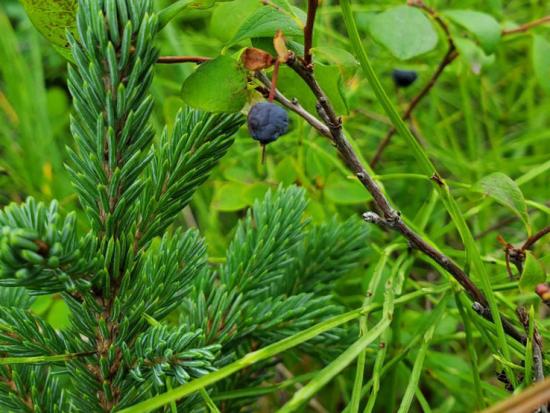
{"type": "Point", "coordinates": [404, 78]}
{"type": "Point", "coordinates": [267, 121]}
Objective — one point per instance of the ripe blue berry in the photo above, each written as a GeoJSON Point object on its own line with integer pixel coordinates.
{"type": "Point", "coordinates": [404, 78]}
{"type": "Point", "coordinates": [267, 121]}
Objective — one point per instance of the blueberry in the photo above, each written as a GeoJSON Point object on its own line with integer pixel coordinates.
{"type": "Point", "coordinates": [404, 78]}
{"type": "Point", "coordinates": [267, 121]}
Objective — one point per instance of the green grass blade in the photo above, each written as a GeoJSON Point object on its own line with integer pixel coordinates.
{"type": "Point", "coordinates": [342, 361]}
{"type": "Point", "coordinates": [412, 386]}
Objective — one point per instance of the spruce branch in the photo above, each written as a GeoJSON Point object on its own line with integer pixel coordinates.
{"type": "Point", "coordinates": [114, 59]}
{"type": "Point", "coordinates": [166, 277]}
{"type": "Point", "coordinates": [31, 389]}
{"type": "Point", "coordinates": [24, 335]}
{"type": "Point", "coordinates": [110, 80]}
{"type": "Point", "coordinates": [162, 352]}
{"type": "Point", "coordinates": [180, 163]}
{"type": "Point", "coordinates": [260, 251]}
{"type": "Point", "coordinates": [329, 251]}
{"type": "Point", "coordinates": [42, 252]}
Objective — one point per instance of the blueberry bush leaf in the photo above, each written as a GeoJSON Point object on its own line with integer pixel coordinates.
{"type": "Point", "coordinates": [52, 18]}
{"type": "Point", "coordinates": [474, 56]}
{"type": "Point", "coordinates": [483, 26]}
{"type": "Point", "coordinates": [240, 10]}
{"type": "Point", "coordinates": [266, 21]}
{"type": "Point", "coordinates": [344, 191]}
{"type": "Point", "coordinates": [216, 86]}
{"type": "Point", "coordinates": [335, 55]}
{"type": "Point", "coordinates": [533, 273]}
{"type": "Point", "coordinates": [541, 61]}
{"type": "Point", "coordinates": [405, 31]}
{"type": "Point", "coordinates": [505, 191]}
{"type": "Point", "coordinates": [230, 196]}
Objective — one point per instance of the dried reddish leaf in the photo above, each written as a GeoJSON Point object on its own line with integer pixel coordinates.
{"type": "Point", "coordinates": [256, 59]}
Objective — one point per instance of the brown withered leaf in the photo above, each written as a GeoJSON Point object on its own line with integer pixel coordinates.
{"type": "Point", "coordinates": [256, 59]}
{"type": "Point", "coordinates": [279, 43]}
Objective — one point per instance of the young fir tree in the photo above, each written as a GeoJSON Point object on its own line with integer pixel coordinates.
{"type": "Point", "coordinates": [123, 276]}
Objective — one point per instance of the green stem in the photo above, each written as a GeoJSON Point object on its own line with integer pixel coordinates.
{"type": "Point", "coordinates": [42, 359]}
{"type": "Point", "coordinates": [209, 402]}
{"type": "Point", "coordinates": [472, 350]}
{"type": "Point", "coordinates": [342, 361]}
{"type": "Point", "coordinates": [363, 328]}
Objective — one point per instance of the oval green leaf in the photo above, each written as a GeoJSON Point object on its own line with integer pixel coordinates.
{"type": "Point", "coordinates": [405, 31]}
{"type": "Point", "coordinates": [240, 10]}
{"type": "Point", "coordinates": [343, 191]}
{"type": "Point", "coordinates": [52, 18]}
{"type": "Point", "coordinates": [230, 196]}
{"type": "Point", "coordinates": [216, 86]}
{"type": "Point", "coordinates": [505, 191]}
{"type": "Point", "coordinates": [532, 275]}
{"type": "Point", "coordinates": [541, 61]}
{"type": "Point", "coordinates": [483, 26]}
{"type": "Point", "coordinates": [335, 55]}
{"type": "Point", "coordinates": [265, 22]}
{"type": "Point", "coordinates": [475, 56]}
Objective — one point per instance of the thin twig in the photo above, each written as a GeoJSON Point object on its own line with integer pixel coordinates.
{"type": "Point", "coordinates": [449, 57]}
{"type": "Point", "coordinates": [308, 30]}
{"type": "Point", "coordinates": [506, 221]}
{"type": "Point", "coordinates": [182, 59]}
{"type": "Point", "coordinates": [527, 26]}
{"type": "Point", "coordinates": [533, 239]}
{"type": "Point", "coordinates": [390, 217]}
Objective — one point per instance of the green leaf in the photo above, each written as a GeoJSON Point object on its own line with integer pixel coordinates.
{"type": "Point", "coordinates": [58, 316]}
{"type": "Point", "coordinates": [473, 54]}
{"type": "Point", "coordinates": [335, 55]}
{"type": "Point", "coordinates": [505, 191]}
{"type": "Point", "coordinates": [230, 197]}
{"type": "Point", "coordinates": [265, 22]}
{"type": "Point", "coordinates": [52, 18]}
{"type": "Point", "coordinates": [256, 192]}
{"type": "Point", "coordinates": [532, 275]}
{"type": "Point", "coordinates": [483, 26]}
{"type": "Point", "coordinates": [541, 61]}
{"type": "Point", "coordinates": [216, 86]}
{"type": "Point", "coordinates": [344, 191]}
{"type": "Point", "coordinates": [285, 171]}
{"type": "Point", "coordinates": [172, 11]}
{"type": "Point", "coordinates": [405, 31]}
{"type": "Point", "coordinates": [225, 29]}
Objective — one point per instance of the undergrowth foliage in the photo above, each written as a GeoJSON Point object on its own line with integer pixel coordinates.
{"type": "Point", "coordinates": [128, 276]}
